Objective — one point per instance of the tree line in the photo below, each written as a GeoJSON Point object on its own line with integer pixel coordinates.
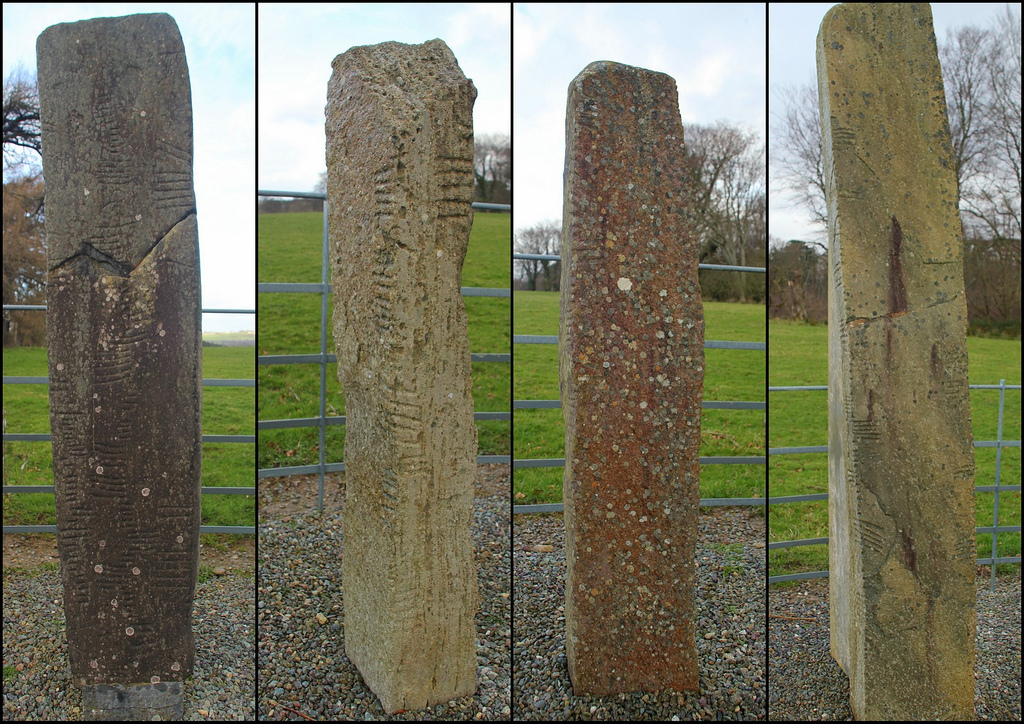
{"type": "Point", "coordinates": [981, 68]}
{"type": "Point", "coordinates": [726, 165]}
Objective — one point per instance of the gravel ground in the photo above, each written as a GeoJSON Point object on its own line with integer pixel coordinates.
{"type": "Point", "coordinates": [303, 668]}
{"type": "Point", "coordinates": [37, 675]}
{"type": "Point", "coordinates": [807, 684]}
{"type": "Point", "coordinates": [730, 629]}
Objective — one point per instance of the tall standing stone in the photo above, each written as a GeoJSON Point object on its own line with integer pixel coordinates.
{"type": "Point", "coordinates": [901, 463]}
{"type": "Point", "coordinates": [631, 361]}
{"type": "Point", "coordinates": [399, 191]}
{"type": "Point", "coordinates": [124, 351]}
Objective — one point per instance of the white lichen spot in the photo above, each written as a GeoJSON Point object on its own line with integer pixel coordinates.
{"type": "Point", "coordinates": [643, 405]}
{"type": "Point", "coordinates": [98, 569]}
{"type": "Point", "coordinates": [98, 408]}
{"type": "Point", "coordinates": [625, 284]}
{"type": "Point", "coordinates": [175, 666]}
{"type": "Point", "coordinates": [155, 679]}
{"type": "Point", "coordinates": [60, 366]}
{"type": "Point", "coordinates": [113, 602]}
{"type": "Point", "coordinates": [439, 253]}
{"type": "Point", "coordinates": [143, 114]}
{"type": "Point", "coordinates": [135, 570]}
{"type": "Point", "coordinates": [180, 539]}
{"type": "Point", "coordinates": [99, 470]}
{"type": "Point", "coordinates": [138, 217]}
{"type": "Point", "coordinates": [145, 492]}
{"type": "Point", "coordinates": [662, 293]}
{"type": "Point", "coordinates": [103, 544]}
{"type": "Point", "coordinates": [87, 192]}
{"type": "Point", "coordinates": [659, 334]}
{"type": "Point", "coordinates": [94, 664]}
{"type": "Point", "coordinates": [130, 631]}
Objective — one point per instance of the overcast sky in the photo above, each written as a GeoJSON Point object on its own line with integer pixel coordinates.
{"type": "Point", "coordinates": [298, 42]}
{"type": "Point", "coordinates": [716, 53]}
{"type": "Point", "coordinates": [220, 48]}
{"type": "Point", "coordinates": [792, 29]}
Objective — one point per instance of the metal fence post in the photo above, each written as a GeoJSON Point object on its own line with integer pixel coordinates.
{"type": "Point", "coordinates": [999, 461]}
{"type": "Point", "coordinates": [324, 279]}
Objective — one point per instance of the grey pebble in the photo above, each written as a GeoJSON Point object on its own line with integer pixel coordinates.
{"type": "Point", "coordinates": [223, 681]}
{"type": "Point", "coordinates": [731, 608]}
{"type": "Point", "coordinates": [302, 663]}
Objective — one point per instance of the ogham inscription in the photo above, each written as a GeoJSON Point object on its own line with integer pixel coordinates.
{"type": "Point", "coordinates": [631, 361]}
{"type": "Point", "coordinates": [901, 464]}
{"type": "Point", "coordinates": [124, 352]}
{"type": "Point", "coordinates": [399, 190]}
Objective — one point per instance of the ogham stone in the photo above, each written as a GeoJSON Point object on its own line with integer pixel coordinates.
{"type": "Point", "coordinates": [399, 192]}
{"type": "Point", "coordinates": [631, 369]}
{"type": "Point", "coordinates": [901, 463]}
{"type": "Point", "coordinates": [124, 353]}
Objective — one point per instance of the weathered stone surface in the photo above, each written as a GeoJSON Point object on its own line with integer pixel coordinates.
{"type": "Point", "coordinates": [124, 345]}
{"type": "Point", "coordinates": [399, 189]}
{"type": "Point", "coordinates": [631, 369]}
{"type": "Point", "coordinates": [133, 702]}
{"type": "Point", "coordinates": [901, 463]}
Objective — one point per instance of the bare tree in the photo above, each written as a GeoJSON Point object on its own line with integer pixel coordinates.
{"type": "Point", "coordinates": [492, 167]}
{"type": "Point", "coordinates": [795, 157]}
{"type": "Point", "coordinates": [982, 72]}
{"type": "Point", "coordinates": [981, 69]}
{"type": "Point", "coordinates": [727, 170]}
{"type": "Point", "coordinates": [544, 237]}
{"type": "Point", "coordinates": [21, 119]}
{"type": "Point", "coordinates": [994, 199]}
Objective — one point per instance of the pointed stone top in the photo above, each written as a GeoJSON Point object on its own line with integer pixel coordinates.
{"type": "Point", "coordinates": [409, 68]}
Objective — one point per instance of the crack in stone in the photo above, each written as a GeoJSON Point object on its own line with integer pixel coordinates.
{"type": "Point", "coordinates": [116, 266]}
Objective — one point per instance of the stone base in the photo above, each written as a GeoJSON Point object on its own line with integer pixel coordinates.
{"type": "Point", "coordinates": [133, 702]}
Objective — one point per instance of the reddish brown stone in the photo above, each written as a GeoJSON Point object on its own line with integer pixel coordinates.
{"type": "Point", "coordinates": [631, 362]}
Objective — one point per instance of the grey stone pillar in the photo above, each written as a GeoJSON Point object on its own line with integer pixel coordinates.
{"type": "Point", "coordinates": [399, 189]}
{"type": "Point", "coordinates": [631, 369]}
{"type": "Point", "coordinates": [901, 462]}
{"type": "Point", "coordinates": [124, 352]}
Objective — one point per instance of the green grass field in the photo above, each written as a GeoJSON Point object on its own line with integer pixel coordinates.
{"type": "Point", "coordinates": [798, 356]}
{"type": "Point", "coordinates": [290, 251]}
{"type": "Point", "coordinates": [226, 411]}
{"type": "Point", "coordinates": [729, 375]}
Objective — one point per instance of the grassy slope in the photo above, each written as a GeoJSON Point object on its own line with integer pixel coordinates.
{"type": "Point", "coordinates": [226, 411]}
{"type": "Point", "coordinates": [290, 251]}
{"type": "Point", "coordinates": [798, 356]}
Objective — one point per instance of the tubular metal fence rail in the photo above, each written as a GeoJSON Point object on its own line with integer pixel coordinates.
{"type": "Point", "coordinates": [46, 437]}
{"type": "Point", "coordinates": [323, 358]}
{"type": "Point", "coordinates": [995, 529]}
{"type": "Point", "coordinates": [706, 404]}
